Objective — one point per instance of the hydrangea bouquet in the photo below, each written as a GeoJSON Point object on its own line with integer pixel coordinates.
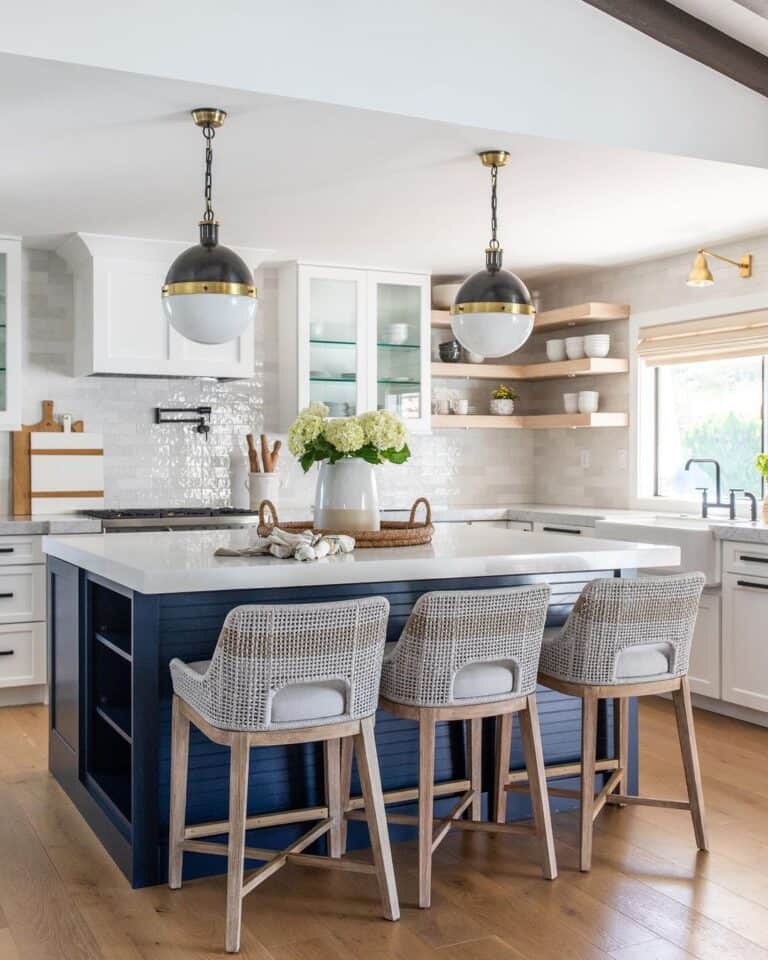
{"type": "Point", "coordinates": [375, 437]}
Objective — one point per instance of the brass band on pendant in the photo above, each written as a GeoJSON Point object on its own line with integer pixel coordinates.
{"type": "Point", "coordinates": [209, 286]}
{"type": "Point", "coordinates": [493, 306]}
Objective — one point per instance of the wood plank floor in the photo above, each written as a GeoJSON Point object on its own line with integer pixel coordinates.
{"type": "Point", "coordinates": [650, 895]}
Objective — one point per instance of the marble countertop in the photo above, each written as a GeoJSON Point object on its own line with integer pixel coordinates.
{"type": "Point", "coordinates": [183, 562]}
{"type": "Point", "coordinates": [44, 524]}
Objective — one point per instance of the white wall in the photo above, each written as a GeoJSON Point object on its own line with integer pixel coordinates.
{"type": "Point", "coordinates": [159, 465]}
{"type": "Point", "coordinates": [558, 68]}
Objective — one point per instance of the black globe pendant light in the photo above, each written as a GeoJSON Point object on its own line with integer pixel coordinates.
{"type": "Point", "coordinates": [209, 295]}
{"type": "Point", "coordinates": [493, 313]}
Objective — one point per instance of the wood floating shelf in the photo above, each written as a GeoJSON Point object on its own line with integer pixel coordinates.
{"type": "Point", "coordinates": [591, 312]}
{"type": "Point", "coordinates": [588, 366]}
{"type": "Point", "coordinates": [541, 421]}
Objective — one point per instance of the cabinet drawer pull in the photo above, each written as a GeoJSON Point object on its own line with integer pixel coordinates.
{"type": "Point", "coordinates": [7, 653]}
{"type": "Point", "coordinates": [746, 583]}
{"type": "Point", "coordinates": [6, 596]}
{"type": "Point", "coordinates": [561, 530]}
{"type": "Point", "coordinates": [7, 549]}
{"type": "Point", "coordinates": [749, 559]}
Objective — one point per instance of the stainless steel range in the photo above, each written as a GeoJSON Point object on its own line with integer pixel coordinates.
{"type": "Point", "coordinates": [177, 518]}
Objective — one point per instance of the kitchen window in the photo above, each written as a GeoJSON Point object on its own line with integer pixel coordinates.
{"type": "Point", "coordinates": [709, 408]}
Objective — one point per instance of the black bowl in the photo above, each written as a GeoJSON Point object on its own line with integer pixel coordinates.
{"type": "Point", "coordinates": [450, 351]}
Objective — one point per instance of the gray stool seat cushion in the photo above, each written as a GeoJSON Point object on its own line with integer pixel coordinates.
{"type": "Point", "coordinates": [467, 646]}
{"type": "Point", "coordinates": [625, 631]}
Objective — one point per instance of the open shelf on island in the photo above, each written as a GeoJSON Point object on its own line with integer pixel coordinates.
{"type": "Point", "coordinates": [118, 717]}
{"type": "Point", "coordinates": [591, 312]}
{"type": "Point", "coordinates": [588, 366]}
{"type": "Point", "coordinates": [539, 421]}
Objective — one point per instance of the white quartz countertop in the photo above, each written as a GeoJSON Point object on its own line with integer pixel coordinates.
{"type": "Point", "coordinates": [49, 523]}
{"type": "Point", "coordinates": [183, 562]}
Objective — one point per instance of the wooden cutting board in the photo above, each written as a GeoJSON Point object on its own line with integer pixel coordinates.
{"type": "Point", "coordinates": [22, 469]}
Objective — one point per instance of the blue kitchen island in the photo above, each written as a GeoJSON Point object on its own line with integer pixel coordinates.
{"type": "Point", "coordinates": [122, 605]}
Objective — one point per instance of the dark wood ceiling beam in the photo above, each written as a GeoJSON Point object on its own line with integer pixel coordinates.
{"type": "Point", "coordinates": [693, 37]}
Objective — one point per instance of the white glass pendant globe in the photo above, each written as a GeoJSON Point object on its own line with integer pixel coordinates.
{"type": "Point", "coordinates": [210, 317]}
{"type": "Point", "coordinates": [492, 334]}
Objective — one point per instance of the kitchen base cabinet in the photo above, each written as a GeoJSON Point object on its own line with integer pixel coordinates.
{"type": "Point", "coordinates": [704, 671]}
{"type": "Point", "coordinates": [745, 650]}
{"type": "Point", "coordinates": [563, 528]}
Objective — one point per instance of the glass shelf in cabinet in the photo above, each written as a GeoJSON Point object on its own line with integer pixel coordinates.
{"type": "Point", "coordinates": [401, 346]}
{"type": "Point", "coordinates": [333, 379]}
{"type": "Point", "coordinates": [333, 343]}
{"type": "Point", "coordinates": [400, 382]}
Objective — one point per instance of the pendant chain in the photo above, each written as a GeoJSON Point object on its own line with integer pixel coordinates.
{"type": "Point", "coordinates": [494, 244]}
{"type": "Point", "coordinates": [209, 133]}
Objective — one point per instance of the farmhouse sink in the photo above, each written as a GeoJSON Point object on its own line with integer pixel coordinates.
{"type": "Point", "coordinates": [699, 550]}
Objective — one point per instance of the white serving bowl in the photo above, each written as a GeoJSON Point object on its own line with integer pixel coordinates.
{"type": "Point", "coordinates": [443, 295]}
{"type": "Point", "coordinates": [555, 350]}
{"type": "Point", "coordinates": [574, 348]}
{"type": "Point", "coordinates": [571, 402]}
{"type": "Point", "coordinates": [588, 401]}
{"type": "Point", "coordinates": [474, 357]}
{"type": "Point", "coordinates": [597, 344]}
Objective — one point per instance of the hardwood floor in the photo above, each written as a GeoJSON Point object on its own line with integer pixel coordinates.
{"type": "Point", "coordinates": [650, 895]}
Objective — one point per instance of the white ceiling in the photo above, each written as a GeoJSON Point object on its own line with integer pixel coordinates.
{"type": "Point", "coordinates": [107, 152]}
{"type": "Point", "coordinates": [744, 20]}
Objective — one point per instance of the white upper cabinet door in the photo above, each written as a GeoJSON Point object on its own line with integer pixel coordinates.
{"type": "Point", "coordinates": [399, 345]}
{"type": "Point", "coordinates": [10, 333]}
{"type": "Point", "coordinates": [120, 326]}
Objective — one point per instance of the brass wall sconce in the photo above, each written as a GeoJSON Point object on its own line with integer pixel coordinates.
{"type": "Point", "coordinates": [701, 275]}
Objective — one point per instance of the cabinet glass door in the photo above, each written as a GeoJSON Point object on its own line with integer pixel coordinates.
{"type": "Point", "coordinates": [399, 309]}
{"type": "Point", "coordinates": [3, 328]}
{"type": "Point", "coordinates": [333, 316]}
{"type": "Point", "coordinates": [10, 334]}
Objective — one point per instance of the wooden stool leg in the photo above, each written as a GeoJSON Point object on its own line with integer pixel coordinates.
{"type": "Point", "coordinates": [370, 781]}
{"type": "Point", "coordinates": [588, 748]}
{"type": "Point", "coordinates": [475, 765]}
{"type": "Point", "coordinates": [333, 795]}
{"type": "Point", "coordinates": [238, 799]}
{"type": "Point", "coordinates": [537, 779]}
{"type": "Point", "coordinates": [426, 807]}
{"type": "Point", "coordinates": [347, 752]}
{"type": "Point", "coordinates": [687, 736]}
{"type": "Point", "coordinates": [179, 773]}
{"type": "Point", "coordinates": [621, 741]}
{"type": "Point", "coordinates": [501, 768]}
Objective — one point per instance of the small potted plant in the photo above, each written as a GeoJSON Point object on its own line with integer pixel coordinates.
{"type": "Point", "coordinates": [762, 465]}
{"type": "Point", "coordinates": [503, 400]}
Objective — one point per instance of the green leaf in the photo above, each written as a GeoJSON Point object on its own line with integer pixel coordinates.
{"type": "Point", "coordinates": [397, 456]}
{"type": "Point", "coordinates": [369, 453]}
{"type": "Point", "coordinates": [307, 460]}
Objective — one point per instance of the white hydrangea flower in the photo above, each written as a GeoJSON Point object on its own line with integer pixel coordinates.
{"type": "Point", "coordinates": [384, 430]}
{"type": "Point", "coordinates": [345, 434]}
{"type": "Point", "coordinates": [306, 427]}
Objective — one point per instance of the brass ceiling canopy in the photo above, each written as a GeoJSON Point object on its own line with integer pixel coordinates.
{"type": "Point", "coordinates": [209, 117]}
{"type": "Point", "coordinates": [494, 158]}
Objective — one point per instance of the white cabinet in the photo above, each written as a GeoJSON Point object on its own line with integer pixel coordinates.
{"type": "Point", "coordinates": [22, 654]}
{"type": "Point", "coordinates": [559, 527]}
{"type": "Point", "coordinates": [120, 327]}
{"type": "Point", "coordinates": [10, 333]}
{"type": "Point", "coordinates": [355, 339]}
{"type": "Point", "coordinates": [745, 639]}
{"type": "Point", "coordinates": [22, 619]}
{"type": "Point", "coordinates": [704, 668]}
{"type": "Point", "coordinates": [522, 526]}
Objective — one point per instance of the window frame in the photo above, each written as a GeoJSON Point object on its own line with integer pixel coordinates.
{"type": "Point", "coordinates": [643, 493]}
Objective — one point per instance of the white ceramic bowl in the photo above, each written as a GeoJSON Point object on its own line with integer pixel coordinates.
{"type": "Point", "coordinates": [571, 402]}
{"type": "Point", "coordinates": [597, 344]}
{"type": "Point", "coordinates": [574, 348]}
{"type": "Point", "coordinates": [474, 357]}
{"type": "Point", "coordinates": [443, 295]}
{"type": "Point", "coordinates": [398, 332]}
{"type": "Point", "coordinates": [555, 350]}
{"type": "Point", "coordinates": [588, 401]}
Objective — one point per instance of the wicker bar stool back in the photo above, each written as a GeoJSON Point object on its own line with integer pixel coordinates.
{"type": "Point", "coordinates": [284, 674]}
{"type": "Point", "coordinates": [465, 655]}
{"type": "Point", "coordinates": [625, 638]}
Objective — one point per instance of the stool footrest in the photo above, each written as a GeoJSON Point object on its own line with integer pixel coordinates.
{"type": "Point", "coordinates": [648, 801]}
{"type": "Point", "coordinates": [557, 770]}
{"type": "Point", "coordinates": [407, 794]}
{"type": "Point", "coordinates": [331, 863]}
{"type": "Point", "coordinates": [215, 828]}
{"type": "Point", "coordinates": [281, 857]}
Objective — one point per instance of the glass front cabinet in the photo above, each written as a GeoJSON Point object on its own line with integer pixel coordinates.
{"type": "Point", "coordinates": [356, 339]}
{"type": "Point", "coordinates": [10, 333]}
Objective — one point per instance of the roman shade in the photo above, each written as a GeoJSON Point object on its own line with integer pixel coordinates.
{"type": "Point", "coordinates": [714, 338]}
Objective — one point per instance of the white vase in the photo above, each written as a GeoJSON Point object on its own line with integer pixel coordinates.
{"type": "Point", "coordinates": [263, 486]}
{"type": "Point", "coordinates": [502, 407]}
{"type": "Point", "coordinates": [346, 497]}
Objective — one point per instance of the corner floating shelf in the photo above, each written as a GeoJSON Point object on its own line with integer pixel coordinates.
{"type": "Point", "coordinates": [589, 366]}
{"type": "Point", "coordinates": [592, 312]}
{"type": "Point", "coordinates": [541, 421]}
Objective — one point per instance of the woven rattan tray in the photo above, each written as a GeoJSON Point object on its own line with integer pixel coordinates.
{"type": "Point", "coordinates": [393, 533]}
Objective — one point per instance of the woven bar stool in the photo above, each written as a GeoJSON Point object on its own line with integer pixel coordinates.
{"type": "Point", "coordinates": [625, 638]}
{"type": "Point", "coordinates": [466, 655]}
{"type": "Point", "coordinates": [284, 675]}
